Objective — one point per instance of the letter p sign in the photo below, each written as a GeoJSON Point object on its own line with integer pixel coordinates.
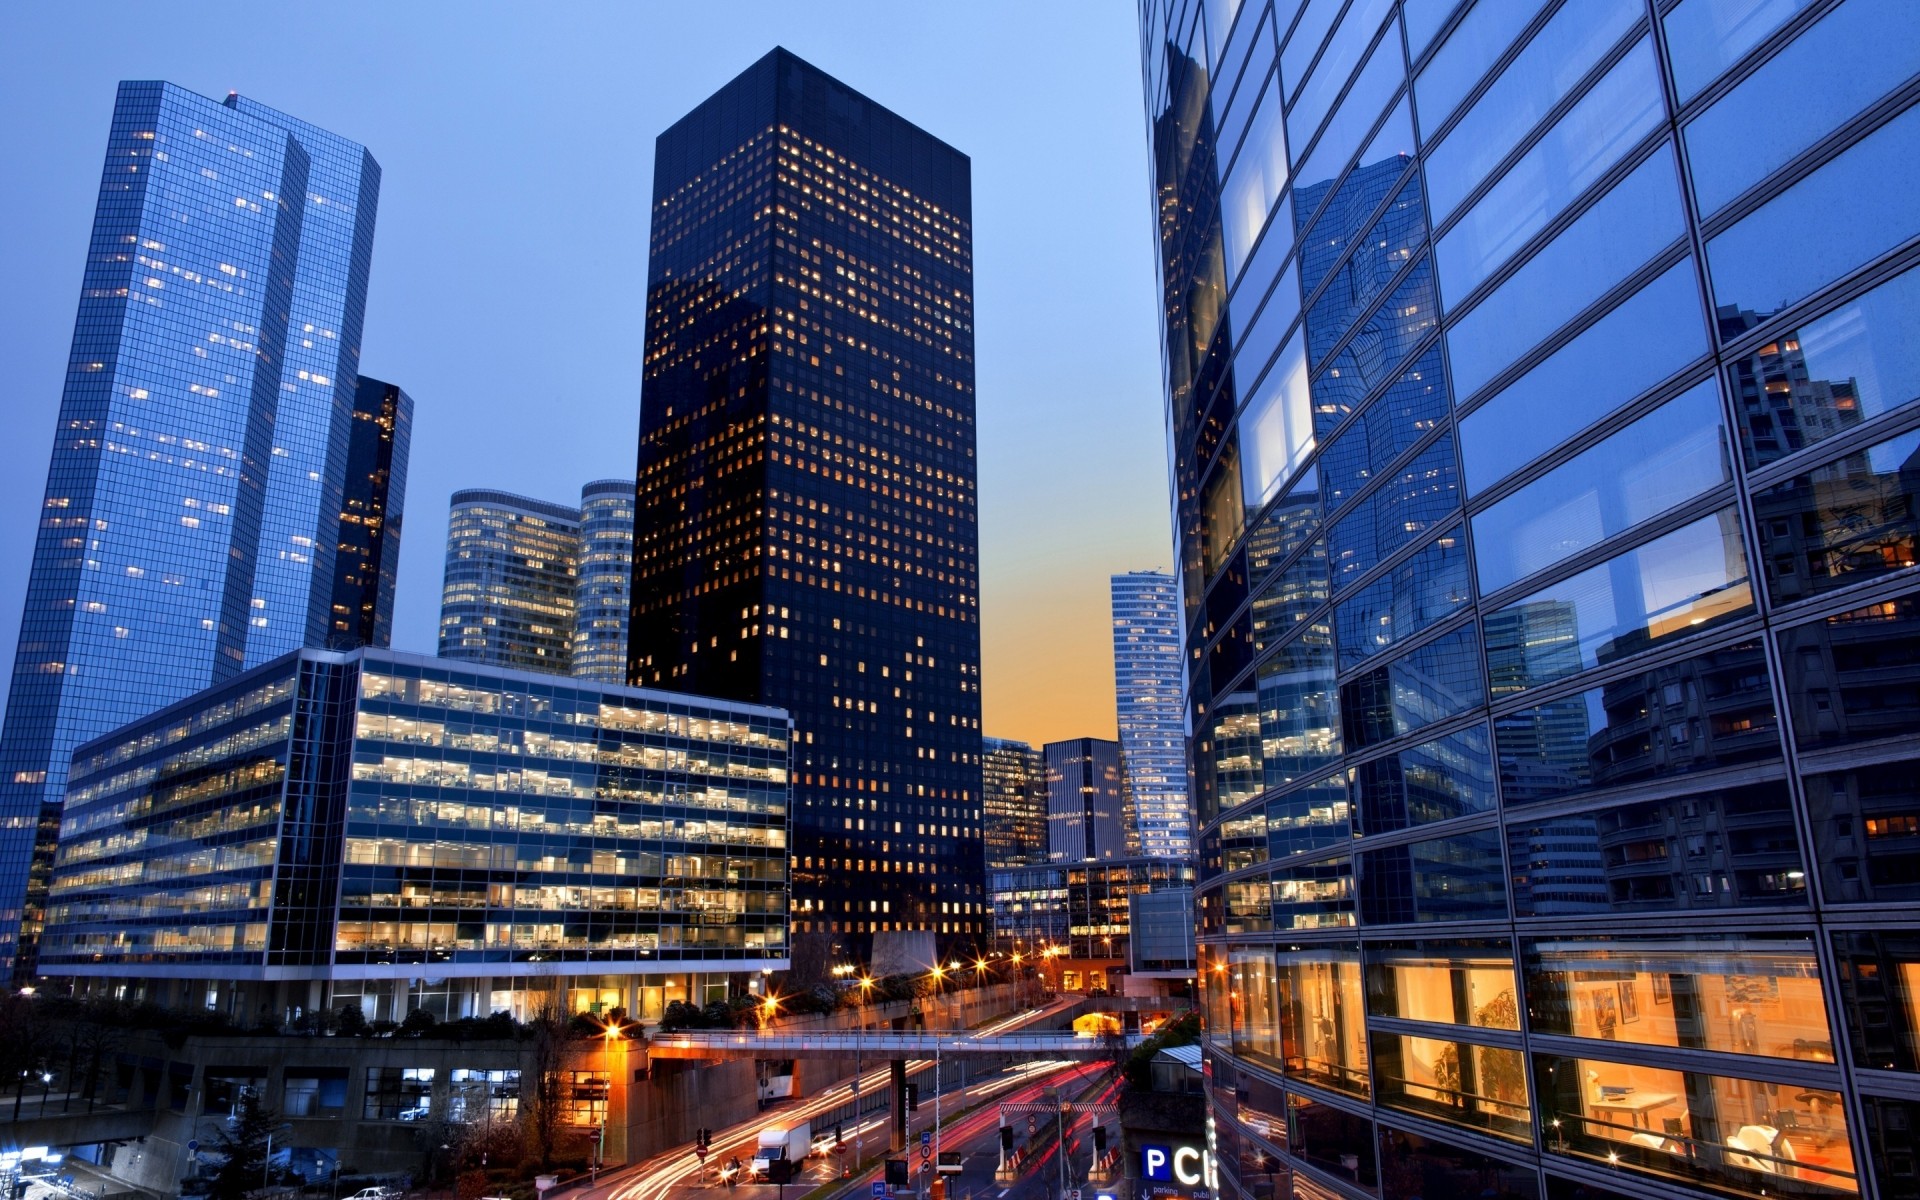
{"type": "Point", "coordinates": [1156, 1162]}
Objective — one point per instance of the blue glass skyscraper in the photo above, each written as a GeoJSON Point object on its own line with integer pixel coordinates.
{"type": "Point", "coordinates": [1152, 713]}
{"type": "Point", "coordinates": [196, 485]}
{"type": "Point", "coordinates": [1545, 423]}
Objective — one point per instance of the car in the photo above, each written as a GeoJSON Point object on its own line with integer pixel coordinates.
{"type": "Point", "coordinates": [375, 1193]}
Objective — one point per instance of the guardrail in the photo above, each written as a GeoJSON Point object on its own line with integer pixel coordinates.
{"type": "Point", "coordinates": [918, 1044]}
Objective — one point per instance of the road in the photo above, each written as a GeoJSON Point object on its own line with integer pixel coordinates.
{"type": "Point", "coordinates": [679, 1174]}
{"type": "Point", "coordinates": [978, 1139]}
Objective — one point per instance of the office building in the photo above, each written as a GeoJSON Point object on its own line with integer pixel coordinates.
{"type": "Point", "coordinates": [1086, 801]}
{"type": "Point", "coordinates": [367, 558]}
{"type": "Point", "coordinates": [508, 598]}
{"type": "Point", "coordinates": [603, 582]}
{"type": "Point", "coordinates": [1153, 742]}
{"type": "Point", "coordinates": [1013, 790]}
{"type": "Point", "coordinates": [1544, 451]}
{"type": "Point", "coordinates": [455, 836]}
{"type": "Point", "coordinates": [1079, 918]}
{"type": "Point", "coordinates": [805, 524]}
{"type": "Point", "coordinates": [197, 480]}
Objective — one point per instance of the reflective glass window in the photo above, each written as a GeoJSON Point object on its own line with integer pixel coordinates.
{"type": "Point", "coordinates": [1254, 999]}
{"type": "Point", "coordinates": [1276, 427]}
{"type": "Point", "coordinates": [1652, 334]}
{"type": "Point", "coordinates": [1314, 896]}
{"type": "Point", "coordinates": [1297, 734]}
{"type": "Point", "coordinates": [1344, 224]}
{"type": "Point", "coordinates": [1734, 993]}
{"type": "Point", "coordinates": [1880, 997]}
{"type": "Point", "coordinates": [1415, 1165]}
{"type": "Point", "coordinates": [1480, 38]}
{"type": "Point", "coordinates": [1608, 121]}
{"type": "Point", "coordinates": [1224, 511]}
{"type": "Point", "coordinates": [1230, 117]}
{"type": "Point", "coordinates": [1461, 1083]}
{"type": "Point", "coordinates": [1859, 51]}
{"type": "Point", "coordinates": [1232, 748]}
{"type": "Point", "coordinates": [1741, 1136]}
{"type": "Point", "coordinates": [1332, 1139]}
{"type": "Point", "coordinates": [1735, 847]}
{"type": "Point", "coordinates": [1351, 123]}
{"type": "Point", "coordinates": [1384, 430]}
{"type": "Point", "coordinates": [1303, 43]}
{"type": "Point", "coordinates": [1423, 19]}
{"type": "Point", "coordinates": [1840, 217]}
{"type": "Point", "coordinates": [1419, 496]}
{"type": "Point", "coordinates": [1626, 227]}
{"type": "Point", "coordinates": [1255, 180]}
{"type": "Point", "coordinates": [1855, 677]}
{"type": "Point", "coordinates": [1714, 709]}
{"type": "Point", "coordinates": [1830, 374]}
{"type": "Point", "coordinates": [1554, 61]}
{"type": "Point", "coordinates": [1290, 597]}
{"type": "Point", "coordinates": [1866, 832]}
{"type": "Point", "coordinates": [1325, 1023]}
{"type": "Point", "coordinates": [1218, 16]}
{"type": "Point", "coordinates": [1439, 780]}
{"type": "Point", "coordinates": [1890, 1128]}
{"type": "Point", "coordinates": [1662, 460]}
{"type": "Point", "coordinates": [1457, 878]}
{"type": "Point", "coordinates": [1308, 819]}
{"type": "Point", "coordinates": [1420, 592]}
{"type": "Point", "coordinates": [1359, 281]}
{"type": "Point", "coordinates": [1705, 37]}
{"type": "Point", "coordinates": [1444, 982]}
{"type": "Point", "coordinates": [1243, 839]}
{"type": "Point", "coordinates": [1843, 522]}
{"type": "Point", "coordinates": [1263, 269]}
{"type": "Point", "coordinates": [1258, 341]}
{"type": "Point", "coordinates": [1330, 74]}
{"type": "Point", "coordinates": [1374, 354]}
{"type": "Point", "coordinates": [1677, 585]}
{"type": "Point", "coordinates": [1427, 685]}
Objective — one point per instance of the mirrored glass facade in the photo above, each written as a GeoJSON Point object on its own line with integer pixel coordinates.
{"type": "Point", "coordinates": [806, 520]}
{"type": "Point", "coordinates": [1086, 801]}
{"type": "Point", "coordinates": [200, 460]}
{"type": "Point", "coordinates": [1153, 739]}
{"type": "Point", "coordinates": [1541, 402]}
{"type": "Point", "coordinates": [367, 559]}
{"type": "Point", "coordinates": [603, 581]}
{"type": "Point", "coordinates": [334, 818]}
{"type": "Point", "coordinates": [1013, 790]}
{"type": "Point", "coordinates": [508, 596]}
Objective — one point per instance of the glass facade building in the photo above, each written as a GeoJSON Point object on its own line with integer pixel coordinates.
{"type": "Point", "coordinates": [1540, 386]}
{"type": "Point", "coordinates": [1084, 910]}
{"type": "Point", "coordinates": [367, 556]}
{"type": "Point", "coordinates": [1013, 801]}
{"type": "Point", "coordinates": [339, 824]}
{"type": "Point", "coordinates": [1147, 679]}
{"type": "Point", "coordinates": [508, 596]}
{"type": "Point", "coordinates": [604, 580]}
{"type": "Point", "coordinates": [198, 472]}
{"type": "Point", "coordinates": [806, 521]}
{"type": "Point", "coordinates": [1086, 801]}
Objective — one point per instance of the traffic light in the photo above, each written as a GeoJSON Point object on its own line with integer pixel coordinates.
{"type": "Point", "coordinates": [839, 1136]}
{"type": "Point", "coordinates": [1099, 1141]}
{"type": "Point", "coordinates": [1006, 1139]}
{"type": "Point", "coordinates": [913, 1097]}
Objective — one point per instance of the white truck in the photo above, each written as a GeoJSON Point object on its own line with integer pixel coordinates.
{"type": "Point", "coordinates": [787, 1145]}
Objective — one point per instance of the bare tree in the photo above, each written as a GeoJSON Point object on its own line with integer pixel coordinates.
{"type": "Point", "coordinates": [545, 1087]}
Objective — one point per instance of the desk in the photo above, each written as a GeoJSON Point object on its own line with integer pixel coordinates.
{"type": "Point", "coordinates": [1636, 1105]}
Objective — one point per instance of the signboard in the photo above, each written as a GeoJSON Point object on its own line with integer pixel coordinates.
{"type": "Point", "coordinates": [879, 1190]}
{"type": "Point", "coordinates": [950, 1162]}
{"type": "Point", "coordinates": [926, 1137]}
{"type": "Point", "coordinates": [193, 1144]}
{"type": "Point", "coordinates": [898, 1172]}
{"type": "Point", "coordinates": [1189, 1166]}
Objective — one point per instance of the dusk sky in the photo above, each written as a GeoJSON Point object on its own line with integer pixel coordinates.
{"type": "Point", "coordinates": [510, 258]}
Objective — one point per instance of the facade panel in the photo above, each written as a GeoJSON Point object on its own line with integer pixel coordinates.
{"type": "Point", "coordinates": [509, 594]}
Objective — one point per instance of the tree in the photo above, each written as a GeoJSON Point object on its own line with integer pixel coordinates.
{"type": "Point", "coordinates": [544, 1088]}
{"type": "Point", "coordinates": [241, 1144]}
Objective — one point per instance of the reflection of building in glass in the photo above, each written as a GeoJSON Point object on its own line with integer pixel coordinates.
{"type": "Point", "coordinates": [1085, 801]}
{"type": "Point", "coordinates": [1084, 911]}
{"type": "Point", "coordinates": [604, 581]}
{"type": "Point", "coordinates": [367, 564]}
{"type": "Point", "coordinates": [198, 479]}
{"type": "Point", "coordinates": [508, 595]}
{"type": "Point", "coordinates": [1543, 496]}
{"type": "Point", "coordinates": [806, 513]}
{"type": "Point", "coordinates": [1013, 799]}
{"type": "Point", "coordinates": [1147, 673]}
{"type": "Point", "coordinates": [339, 827]}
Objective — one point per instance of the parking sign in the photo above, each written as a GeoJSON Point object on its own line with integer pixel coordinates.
{"type": "Point", "coordinates": [879, 1189]}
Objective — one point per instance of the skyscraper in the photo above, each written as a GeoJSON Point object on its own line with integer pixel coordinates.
{"type": "Point", "coordinates": [198, 474]}
{"type": "Point", "coordinates": [806, 530]}
{"type": "Point", "coordinates": [603, 583]}
{"type": "Point", "coordinates": [1013, 792]}
{"type": "Point", "coordinates": [1153, 743]}
{"type": "Point", "coordinates": [1086, 819]}
{"type": "Point", "coordinates": [1543, 410]}
{"type": "Point", "coordinates": [507, 598]}
{"type": "Point", "coordinates": [367, 559]}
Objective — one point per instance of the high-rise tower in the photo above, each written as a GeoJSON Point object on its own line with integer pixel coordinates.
{"type": "Point", "coordinates": [197, 481]}
{"type": "Point", "coordinates": [604, 581]}
{"type": "Point", "coordinates": [507, 597]}
{"type": "Point", "coordinates": [805, 522]}
{"type": "Point", "coordinates": [1013, 789]}
{"type": "Point", "coordinates": [1545, 430]}
{"type": "Point", "coordinates": [1147, 674]}
{"type": "Point", "coordinates": [367, 557]}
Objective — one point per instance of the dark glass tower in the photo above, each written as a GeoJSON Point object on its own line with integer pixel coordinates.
{"type": "Point", "coordinates": [367, 560]}
{"type": "Point", "coordinates": [805, 521]}
{"type": "Point", "coordinates": [1545, 411]}
{"type": "Point", "coordinates": [196, 483]}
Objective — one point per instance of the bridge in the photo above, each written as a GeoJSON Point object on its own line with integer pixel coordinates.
{"type": "Point", "coordinates": [903, 1044]}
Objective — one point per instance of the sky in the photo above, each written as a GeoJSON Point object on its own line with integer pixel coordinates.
{"type": "Point", "coordinates": [509, 266]}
